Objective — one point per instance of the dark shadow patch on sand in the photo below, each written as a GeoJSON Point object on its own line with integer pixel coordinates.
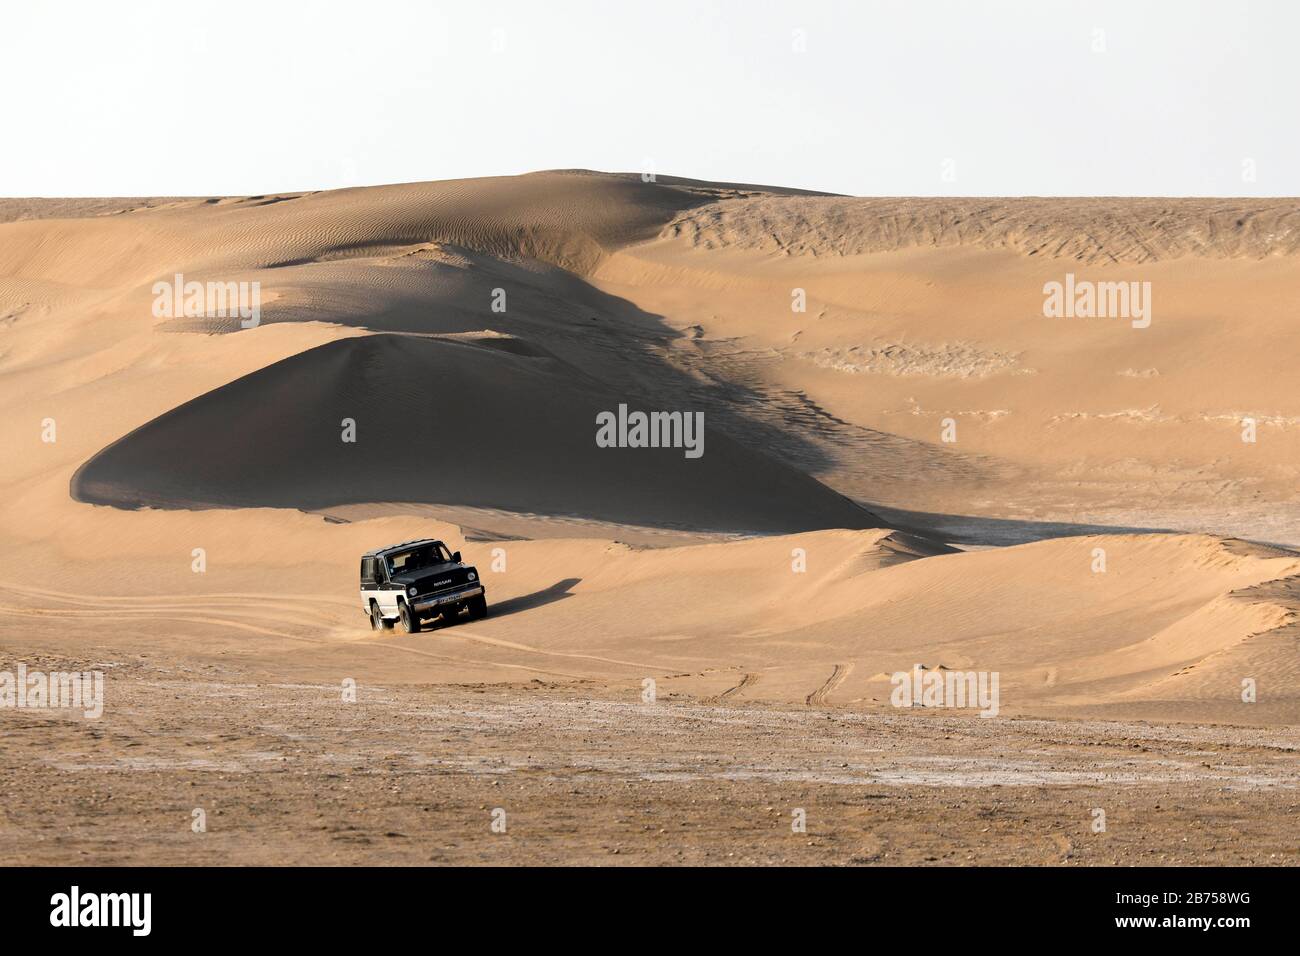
{"type": "Point", "coordinates": [446, 422]}
{"type": "Point", "coordinates": [997, 532]}
{"type": "Point", "coordinates": [526, 602]}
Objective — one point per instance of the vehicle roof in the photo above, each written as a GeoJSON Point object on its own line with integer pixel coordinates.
{"type": "Point", "coordinates": [404, 544]}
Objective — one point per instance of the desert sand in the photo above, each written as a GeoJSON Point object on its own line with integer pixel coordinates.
{"type": "Point", "coordinates": [828, 537]}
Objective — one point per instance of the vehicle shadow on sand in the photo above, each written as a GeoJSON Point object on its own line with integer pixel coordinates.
{"type": "Point", "coordinates": [526, 602]}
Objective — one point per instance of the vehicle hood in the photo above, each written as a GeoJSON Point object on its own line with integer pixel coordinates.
{"type": "Point", "coordinates": [434, 579]}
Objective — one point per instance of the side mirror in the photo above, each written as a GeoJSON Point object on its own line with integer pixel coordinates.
{"type": "Point", "coordinates": [455, 556]}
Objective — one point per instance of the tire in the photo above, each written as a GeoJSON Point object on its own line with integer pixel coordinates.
{"type": "Point", "coordinates": [477, 607]}
{"type": "Point", "coordinates": [410, 621]}
{"type": "Point", "coordinates": [377, 622]}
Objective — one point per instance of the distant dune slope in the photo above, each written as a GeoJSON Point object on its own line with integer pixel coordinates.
{"type": "Point", "coordinates": [891, 317]}
{"type": "Point", "coordinates": [1085, 229]}
{"type": "Point", "coordinates": [489, 424]}
{"type": "Point", "coordinates": [569, 219]}
{"type": "Point", "coordinates": [20, 210]}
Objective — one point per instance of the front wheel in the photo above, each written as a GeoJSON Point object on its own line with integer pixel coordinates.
{"type": "Point", "coordinates": [477, 607]}
{"type": "Point", "coordinates": [410, 620]}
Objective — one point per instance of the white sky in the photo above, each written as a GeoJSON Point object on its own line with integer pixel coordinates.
{"type": "Point", "coordinates": [230, 97]}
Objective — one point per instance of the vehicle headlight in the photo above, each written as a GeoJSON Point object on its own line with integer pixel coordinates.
{"type": "Point", "coordinates": [473, 576]}
{"type": "Point", "coordinates": [411, 590]}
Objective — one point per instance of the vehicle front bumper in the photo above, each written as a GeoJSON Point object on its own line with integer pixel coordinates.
{"type": "Point", "coordinates": [427, 602]}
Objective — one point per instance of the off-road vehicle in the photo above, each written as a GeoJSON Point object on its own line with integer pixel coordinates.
{"type": "Point", "coordinates": [416, 581]}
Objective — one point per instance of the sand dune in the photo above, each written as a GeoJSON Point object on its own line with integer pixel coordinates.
{"type": "Point", "coordinates": [489, 422]}
{"type": "Point", "coordinates": [567, 218]}
{"type": "Point", "coordinates": [1092, 231]}
{"type": "Point", "coordinates": [675, 294]}
{"type": "Point", "coordinates": [909, 324]}
{"type": "Point", "coordinates": [1169, 631]}
{"type": "Point", "coordinates": [1060, 634]}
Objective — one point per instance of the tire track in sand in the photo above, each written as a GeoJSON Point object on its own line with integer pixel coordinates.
{"type": "Point", "coordinates": [818, 697]}
{"type": "Point", "coordinates": [749, 680]}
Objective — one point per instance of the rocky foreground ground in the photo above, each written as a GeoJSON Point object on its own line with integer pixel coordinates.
{"type": "Point", "coordinates": [213, 768]}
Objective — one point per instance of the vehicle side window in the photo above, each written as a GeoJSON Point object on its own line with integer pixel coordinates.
{"type": "Point", "coordinates": [367, 570]}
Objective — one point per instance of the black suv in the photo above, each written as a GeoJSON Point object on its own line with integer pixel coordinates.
{"type": "Point", "coordinates": [417, 580]}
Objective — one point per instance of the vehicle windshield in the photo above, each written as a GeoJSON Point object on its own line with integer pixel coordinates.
{"type": "Point", "coordinates": [415, 559]}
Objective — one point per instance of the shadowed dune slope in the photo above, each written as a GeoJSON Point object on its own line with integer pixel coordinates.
{"type": "Point", "coordinates": [450, 422]}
